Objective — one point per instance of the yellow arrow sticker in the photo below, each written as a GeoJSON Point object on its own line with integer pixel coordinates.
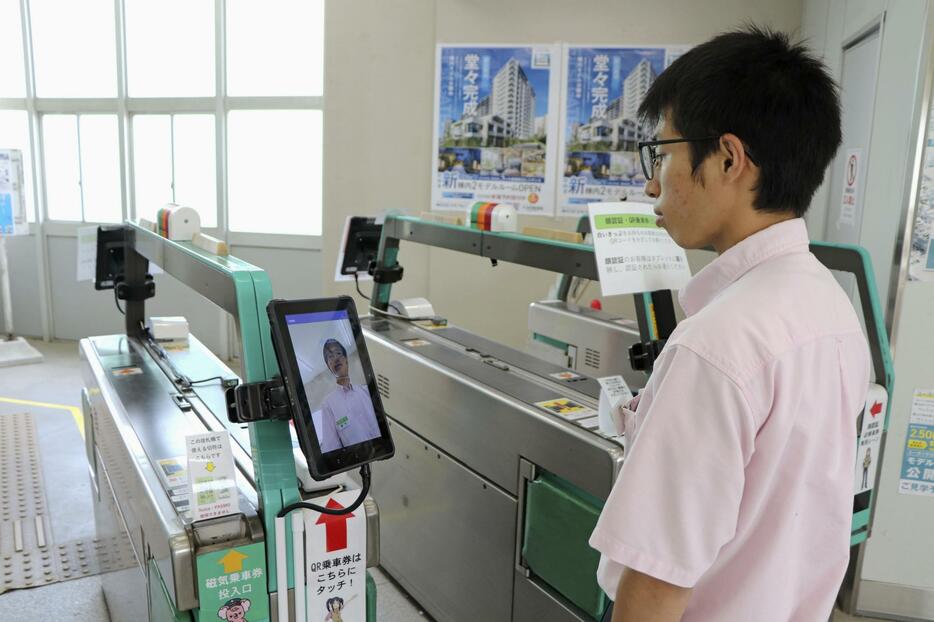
{"type": "Point", "coordinates": [233, 561]}
{"type": "Point", "coordinates": [210, 467]}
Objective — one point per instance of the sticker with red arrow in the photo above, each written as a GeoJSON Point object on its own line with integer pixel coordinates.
{"type": "Point", "coordinates": [335, 527]}
{"type": "Point", "coordinates": [335, 559]}
{"type": "Point", "coordinates": [870, 437]}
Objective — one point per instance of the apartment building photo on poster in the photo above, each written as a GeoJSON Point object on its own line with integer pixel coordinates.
{"type": "Point", "coordinates": [600, 128]}
{"type": "Point", "coordinates": [493, 120]}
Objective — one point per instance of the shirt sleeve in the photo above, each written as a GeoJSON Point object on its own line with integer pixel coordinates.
{"type": "Point", "coordinates": [677, 497]}
{"type": "Point", "coordinates": [372, 425]}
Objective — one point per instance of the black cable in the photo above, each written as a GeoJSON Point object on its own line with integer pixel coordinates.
{"type": "Point", "coordinates": [203, 380]}
{"type": "Point", "coordinates": [117, 302]}
{"type": "Point", "coordinates": [364, 491]}
{"type": "Point", "coordinates": [356, 281]}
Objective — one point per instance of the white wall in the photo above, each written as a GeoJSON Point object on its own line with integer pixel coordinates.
{"type": "Point", "coordinates": [827, 24]}
{"type": "Point", "coordinates": [379, 83]}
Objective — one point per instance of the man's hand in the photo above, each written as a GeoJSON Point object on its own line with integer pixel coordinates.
{"type": "Point", "coordinates": [641, 598]}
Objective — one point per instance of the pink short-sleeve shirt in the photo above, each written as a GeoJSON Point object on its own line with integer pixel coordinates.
{"type": "Point", "coordinates": [738, 480]}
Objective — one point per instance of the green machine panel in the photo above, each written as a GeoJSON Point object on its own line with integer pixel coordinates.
{"type": "Point", "coordinates": [559, 519]}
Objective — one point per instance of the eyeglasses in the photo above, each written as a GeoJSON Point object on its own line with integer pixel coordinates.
{"type": "Point", "coordinates": [648, 155]}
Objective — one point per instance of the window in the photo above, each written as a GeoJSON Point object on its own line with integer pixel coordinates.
{"type": "Point", "coordinates": [170, 48]}
{"type": "Point", "coordinates": [274, 159]}
{"type": "Point", "coordinates": [74, 48]}
{"type": "Point", "coordinates": [82, 167]}
{"type": "Point", "coordinates": [271, 54]}
{"type": "Point", "coordinates": [12, 69]}
{"type": "Point", "coordinates": [114, 148]}
{"type": "Point", "coordinates": [174, 162]}
{"type": "Point", "coordinates": [62, 170]}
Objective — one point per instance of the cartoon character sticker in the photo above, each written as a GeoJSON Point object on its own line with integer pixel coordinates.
{"type": "Point", "coordinates": [234, 610]}
{"type": "Point", "coordinates": [335, 606]}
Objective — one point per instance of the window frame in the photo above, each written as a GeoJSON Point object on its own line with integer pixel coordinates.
{"type": "Point", "coordinates": [125, 107]}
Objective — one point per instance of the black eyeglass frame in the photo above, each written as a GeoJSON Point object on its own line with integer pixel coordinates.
{"type": "Point", "coordinates": [648, 168]}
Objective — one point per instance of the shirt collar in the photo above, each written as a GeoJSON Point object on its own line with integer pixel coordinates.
{"type": "Point", "coordinates": [788, 236]}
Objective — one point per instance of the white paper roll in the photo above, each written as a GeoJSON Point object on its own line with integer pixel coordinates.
{"type": "Point", "coordinates": [184, 223]}
{"type": "Point", "coordinates": [504, 218]}
{"type": "Point", "coordinates": [413, 307]}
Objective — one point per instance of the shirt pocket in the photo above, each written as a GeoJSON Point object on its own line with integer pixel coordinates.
{"type": "Point", "coordinates": [624, 420]}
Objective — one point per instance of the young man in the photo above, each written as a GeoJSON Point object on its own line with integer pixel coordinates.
{"type": "Point", "coordinates": [734, 502]}
{"type": "Point", "coordinates": [347, 416]}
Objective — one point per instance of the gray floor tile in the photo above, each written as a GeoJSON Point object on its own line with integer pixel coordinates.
{"type": "Point", "coordinates": [393, 604]}
{"type": "Point", "coordinates": [80, 599]}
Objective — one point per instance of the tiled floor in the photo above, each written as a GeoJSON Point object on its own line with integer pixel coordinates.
{"type": "Point", "coordinates": [58, 381]}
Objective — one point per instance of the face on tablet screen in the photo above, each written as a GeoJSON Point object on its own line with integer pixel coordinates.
{"type": "Point", "coordinates": [332, 375]}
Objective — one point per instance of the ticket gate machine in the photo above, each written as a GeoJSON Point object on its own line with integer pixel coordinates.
{"type": "Point", "coordinates": [500, 470]}
{"type": "Point", "coordinates": [139, 403]}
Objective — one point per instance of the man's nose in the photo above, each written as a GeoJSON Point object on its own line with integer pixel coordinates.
{"type": "Point", "coordinates": [652, 188]}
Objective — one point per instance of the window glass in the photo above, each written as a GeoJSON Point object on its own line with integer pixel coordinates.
{"type": "Point", "coordinates": [12, 67]}
{"type": "Point", "coordinates": [170, 48]}
{"type": "Point", "coordinates": [100, 168]}
{"type": "Point", "coordinates": [195, 165]}
{"type": "Point", "coordinates": [152, 163]}
{"type": "Point", "coordinates": [274, 161]}
{"type": "Point", "coordinates": [74, 48]}
{"type": "Point", "coordinates": [62, 170]}
{"type": "Point", "coordinates": [275, 47]}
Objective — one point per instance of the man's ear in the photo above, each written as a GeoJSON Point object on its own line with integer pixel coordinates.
{"type": "Point", "coordinates": [733, 155]}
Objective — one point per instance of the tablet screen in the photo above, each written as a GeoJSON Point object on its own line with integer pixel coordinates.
{"type": "Point", "coordinates": [333, 379]}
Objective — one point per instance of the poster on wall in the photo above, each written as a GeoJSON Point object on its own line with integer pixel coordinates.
{"type": "Point", "coordinates": [12, 201]}
{"type": "Point", "coordinates": [494, 127]}
{"type": "Point", "coordinates": [921, 259]}
{"type": "Point", "coordinates": [849, 215]}
{"type": "Point", "coordinates": [917, 472]}
{"type": "Point", "coordinates": [602, 89]}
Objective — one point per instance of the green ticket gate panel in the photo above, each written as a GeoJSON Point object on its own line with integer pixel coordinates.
{"type": "Point", "coordinates": [161, 607]}
{"type": "Point", "coordinates": [559, 519]}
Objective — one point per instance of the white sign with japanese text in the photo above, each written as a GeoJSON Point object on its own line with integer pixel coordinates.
{"type": "Point", "coordinates": [613, 392]}
{"type": "Point", "coordinates": [634, 254]}
{"type": "Point", "coordinates": [335, 561]}
{"type": "Point", "coordinates": [870, 438]}
{"type": "Point", "coordinates": [211, 475]}
{"type": "Point", "coordinates": [849, 198]}
{"type": "Point", "coordinates": [87, 253]}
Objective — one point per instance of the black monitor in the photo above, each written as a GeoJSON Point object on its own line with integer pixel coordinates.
{"type": "Point", "coordinates": [361, 245]}
{"type": "Point", "coordinates": [331, 386]}
{"type": "Point", "coordinates": [111, 246]}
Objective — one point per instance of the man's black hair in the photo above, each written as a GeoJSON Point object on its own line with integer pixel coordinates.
{"type": "Point", "coordinates": [332, 601]}
{"type": "Point", "coordinates": [777, 98]}
{"type": "Point", "coordinates": [324, 350]}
